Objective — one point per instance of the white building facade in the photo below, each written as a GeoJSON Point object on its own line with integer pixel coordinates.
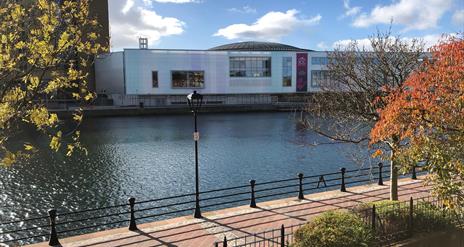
{"type": "Point", "coordinates": [236, 69]}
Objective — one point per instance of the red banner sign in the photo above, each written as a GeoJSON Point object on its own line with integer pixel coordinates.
{"type": "Point", "coordinates": [302, 72]}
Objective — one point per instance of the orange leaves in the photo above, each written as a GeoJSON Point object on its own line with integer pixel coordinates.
{"type": "Point", "coordinates": [432, 97]}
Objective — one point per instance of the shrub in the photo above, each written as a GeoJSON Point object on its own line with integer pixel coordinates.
{"type": "Point", "coordinates": [334, 229]}
{"type": "Point", "coordinates": [393, 217]}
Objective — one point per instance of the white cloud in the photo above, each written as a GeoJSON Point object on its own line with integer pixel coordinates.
{"type": "Point", "coordinates": [244, 10]}
{"type": "Point", "coordinates": [322, 46]}
{"type": "Point", "coordinates": [350, 11]}
{"type": "Point", "coordinates": [272, 26]}
{"type": "Point", "coordinates": [413, 14]}
{"type": "Point", "coordinates": [128, 6]}
{"type": "Point", "coordinates": [458, 17]}
{"type": "Point", "coordinates": [429, 41]}
{"type": "Point", "coordinates": [130, 20]}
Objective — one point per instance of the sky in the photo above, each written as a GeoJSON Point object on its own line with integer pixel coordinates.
{"type": "Point", "coordinates": [310, 24]}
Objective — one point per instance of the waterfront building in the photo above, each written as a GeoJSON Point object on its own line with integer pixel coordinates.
{"type": "Point", "coordinates": [259, 72]}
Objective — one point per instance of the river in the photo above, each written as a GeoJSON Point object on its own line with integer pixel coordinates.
{"type": "Point", "coordinates": [153, 156]}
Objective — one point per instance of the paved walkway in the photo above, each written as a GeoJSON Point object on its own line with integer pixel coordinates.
{"type": "Point", "coordinates": [240, 221]}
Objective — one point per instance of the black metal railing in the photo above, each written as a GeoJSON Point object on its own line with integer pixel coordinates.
{"type": "Point", "coordinates": [63, 224]}
{"type": "Point", "coordinates": [390, 223]}
{"type": "Point", "coordinates": [283, 236]}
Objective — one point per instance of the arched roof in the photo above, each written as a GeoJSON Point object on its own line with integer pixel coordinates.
{"type": "Point", "coordinates": [256, 46]}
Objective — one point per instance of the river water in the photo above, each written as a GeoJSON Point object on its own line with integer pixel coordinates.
{"type": "Point", "coordinates": [153, 156]}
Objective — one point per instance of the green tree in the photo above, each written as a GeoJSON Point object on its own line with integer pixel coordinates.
{"type": "Point", "coordinates": [46, 49]}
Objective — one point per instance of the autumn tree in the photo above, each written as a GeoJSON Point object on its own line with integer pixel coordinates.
{"type": "Point", "coordinates": [358, 80]}
{"type": "Point", "coordinates": [427, 114]}
{"type": "Point", "coordinates": [46, 49]}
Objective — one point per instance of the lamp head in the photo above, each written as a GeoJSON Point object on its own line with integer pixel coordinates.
{"type": "Point", "coordinates": [195, 101]}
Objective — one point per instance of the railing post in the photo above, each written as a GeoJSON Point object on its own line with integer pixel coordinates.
{"type": "Point", "coordinates": [132, 224]}
{"type": "Point", "coordinates": [414, 175]}
{"type": "Point", "coordinates": [53, 241]}
{"type": "Point", "coordinates": [411, 216]}
{"type": "Point", "coordinates": [380, 174]}
{"type": "Point", "coordinates": [252, 200]}
{"type": "Point", "coordinates": [282, 236]}
{"type": "Point", "coordinates": [343, 188]}
{"type": "Point", "coordinates": [300, 191]}
{"type": "Point", "coordinates": [224, 242]}
{"type": "Point", "coordinates": [373, 217]}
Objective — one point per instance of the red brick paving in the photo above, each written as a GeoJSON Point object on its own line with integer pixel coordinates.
{"type": "Point", "coordinates": [241, 221]}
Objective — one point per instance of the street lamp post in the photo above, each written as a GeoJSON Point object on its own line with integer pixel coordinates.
{"type": "Point", "coordinates": [195, 101]}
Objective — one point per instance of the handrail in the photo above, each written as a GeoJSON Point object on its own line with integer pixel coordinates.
{"type": "Point", "coordinates": [256, 190]}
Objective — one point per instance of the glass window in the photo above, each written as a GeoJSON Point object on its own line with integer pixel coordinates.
{"type": "Point", "coordinates": [154, 78]}
{"type": "Point", "coordinates": [250, 66]}
{"type": "Point", "coordinates": [188, 79]}
{"type": "Point", "coordinates": [319, 60]}
{"type": "Point", "coordinates": [319, 77]}
{"type": "Point", "coordinates": [287, 71]}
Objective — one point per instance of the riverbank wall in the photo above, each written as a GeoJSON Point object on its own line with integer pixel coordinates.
{"type": "Point", "coordinates": [111, 111]}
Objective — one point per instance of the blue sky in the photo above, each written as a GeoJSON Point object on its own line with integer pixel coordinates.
{"type": "Point", "coordinates": [312, 24]}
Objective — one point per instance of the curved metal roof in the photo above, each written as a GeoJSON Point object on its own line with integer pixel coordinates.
{"type": "Point", "coordinates": [256, 46]}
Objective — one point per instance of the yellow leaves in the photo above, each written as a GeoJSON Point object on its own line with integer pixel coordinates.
{"type": "Point", "coordinates": [8, 159]}
{"type": "Point", "coordinates": [73, 74]}
{"type": "Point", "coordinates": [55, 142]}
{"type": "Point", "coordinates": [28, 147]}
{"type": "Point", "coordinates": [89, 97]}
{"type": "Point", "coordinates": [14, 95]}
{"type": "Point", "coordinates": [53, 119]}
{"type": "Point", "coordinates": [77, 117]}
{"type": "Point", "coordinates": [70, 150]}
{"type": "Point", "coordinates": [36, 37]}
{"type": "Point", "coordinates": [41, 118]}
{"type": "Point", "coordinates": [93, 36]}
{"type": "Point", "coordinates": [76, 96]}
{"type": "Point", "coordinates": [33, 83]}
{"type": "Point", "coordinates": [6, 113]}
{"type": "Point", "coordinates": [63, 42]}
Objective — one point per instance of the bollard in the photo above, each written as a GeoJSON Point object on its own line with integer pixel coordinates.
{"type": "Point", "coordinates": [300, 191]}
{"type": "Point", "coordinates": [414, 176]}
{"type": "Point", "coordinates": [224, 242]}
{"type": "Point", "coordinates": [373, 217]}
{"type": "Point", "coordinates": [132, 224]}
{"type": "Point", "coordinates": [343, 188]}
{"type": "Point", "coordinates": [380, 174]}
{"type": "Point", "coordinates": [252, 199]}
{"type": "Point", "coordinates": [282, 236]}
{"type": "Point", "coordinates": [53, 241]}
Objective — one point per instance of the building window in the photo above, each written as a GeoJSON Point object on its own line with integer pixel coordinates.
{"type": "Point", "coordinates": [319, 60]}
{"type": "Point", "coordinates": [250, 66]}
{"type": "Point", "coordinates": [188, 79]}
{"type": "Point", "coordinates": [319, 77]}
{"type": "Point", "coordinates": [287, 71]}
{"type": "Point", "coordinates": [154, 78]}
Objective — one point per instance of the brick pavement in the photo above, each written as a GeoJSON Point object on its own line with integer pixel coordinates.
{"type": "Point", "coordinates": [241, 221]}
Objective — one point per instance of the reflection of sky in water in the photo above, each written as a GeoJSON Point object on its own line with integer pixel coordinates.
{"type": "Point", "coordinates": [152, 157]}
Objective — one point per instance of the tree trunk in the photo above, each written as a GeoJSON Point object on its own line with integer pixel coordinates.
{"type": "Point", "coordinates": [393, 178]}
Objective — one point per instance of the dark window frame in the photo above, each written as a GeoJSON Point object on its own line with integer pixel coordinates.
{"type": "Point", "coordinates": [250, 66]}
{"type": "Point", "coordinates": [154, 83]}
{"type": "Point", "coordinates": [190, 84]}
{"type": "Point", "coordinates": [287, 71]}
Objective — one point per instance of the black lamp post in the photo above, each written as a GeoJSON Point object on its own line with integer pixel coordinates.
{"type": "Point", "coordinates": [194, 101]}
